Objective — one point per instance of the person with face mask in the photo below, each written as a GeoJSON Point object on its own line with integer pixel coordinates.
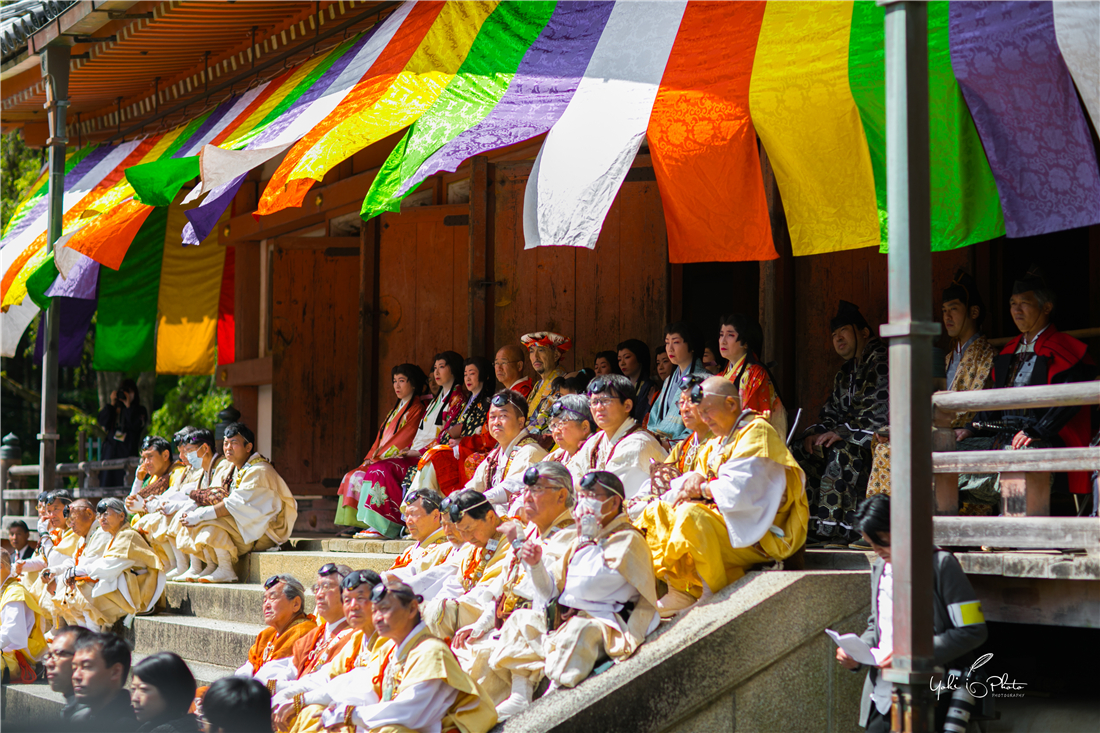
{"type": "Point", "coordinates": [601, 595]}
{"type": "Point", "coordinates": [157, 481]}
{"type": "Point", "coordinates": [208, 480]}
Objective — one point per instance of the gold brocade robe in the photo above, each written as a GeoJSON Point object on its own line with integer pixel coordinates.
{"type": "Point", "coordinates": [424, 555]}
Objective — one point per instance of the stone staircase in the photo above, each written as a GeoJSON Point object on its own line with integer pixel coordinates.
{"type": "Point", "coordinates": [719, 667]}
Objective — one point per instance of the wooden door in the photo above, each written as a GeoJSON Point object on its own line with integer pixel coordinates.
{"type": "Point", "coordinates": [315, 352]}
{"type": "Point", "coordinates": [423, 290]}
{"type": "Point", "coordinates": [596, 297]}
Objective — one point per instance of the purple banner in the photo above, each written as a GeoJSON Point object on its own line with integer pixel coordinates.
{"type": "Point", "coordinates": [539, 93]}
{"type": "Point", "coordinates": [76, 318]}
{"type": "Point", "coordinates": [202, 219]}
{"type": "Point", "coordinates": [1024, 104]}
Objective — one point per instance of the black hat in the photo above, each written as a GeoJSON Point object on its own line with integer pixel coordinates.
{"type": "Point", "coordinates": [847, 314]}
{"type": "Point", "coordinates": [1032, 281]}
{"type": "Point", "coordinates": [964, 288]}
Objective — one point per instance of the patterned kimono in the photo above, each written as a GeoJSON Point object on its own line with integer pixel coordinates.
{"type": "Point", "coordinates": [758, 392]}
{"type": "Point", "coordinates": [539, 403]}
{"type": "Point", "coordinates": [664, 417]}
{"type": "Point", "coordinates": [857, 408]}
{"type": "Point", "coordinates": [446, 469]}
{"type": "Point", "coordinates": [968, 369]}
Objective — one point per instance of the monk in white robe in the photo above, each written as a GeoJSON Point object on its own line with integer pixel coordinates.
{"type": "Point", "coordinates": [500, 475]}
{"type": "Point", "coordinates": [21, 619]}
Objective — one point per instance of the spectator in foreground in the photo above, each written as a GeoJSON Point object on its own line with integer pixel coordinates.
{"type": "Point", "coordinates": [59, 665]}
{"type": "Point", "coordinates": [101, 664]}
{"type": "Point", "coordinates": [236, 705]}
{"type": "Point", "coordinates": [161, 692]}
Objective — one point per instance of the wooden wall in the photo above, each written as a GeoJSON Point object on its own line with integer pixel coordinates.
{"type": "Point", "coordinates": [596, 297]}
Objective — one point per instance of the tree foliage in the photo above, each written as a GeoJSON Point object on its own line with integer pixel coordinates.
{"type": "Point", "coordinates": [20, 166]}
{"type": "Point", "coordinates": [193, 401]}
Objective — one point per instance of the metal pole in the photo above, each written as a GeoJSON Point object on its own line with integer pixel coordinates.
{"type": "Point", "coordinates": [910, 337]}
{"type": "Point", "coordinates": [55, 69]}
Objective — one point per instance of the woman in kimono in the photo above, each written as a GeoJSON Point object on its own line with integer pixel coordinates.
{"type": "Point", "coordinates": [127, 579]}
{"type": "Point", "coordinates": [448, 465]}
{"type": "Point", "coordinates": [684, 351]}
{"type": "Point", "coordinates": [383, 462]}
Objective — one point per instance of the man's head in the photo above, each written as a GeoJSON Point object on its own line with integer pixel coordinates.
{"type": "Point", "coordinates": [718, 404]}
{"type": "Point", "coordinates": [450, 529]}
{"type": "Point", "coordinates": [421, 512]}
{"type": "Point", "coordinates": [850, 330]}
{"type": "Point", "coordinates": [156, 455]}
{"type": "Point", "coordinates": [238, 444]}
{"type": "Point", "coordinates": [56, 504]}
{"type": "Point", "coordinates": [284, 599]}
{"type": "Point", "coordinates": [507, 416]}
{"type": "Point", "coordinates": [548, 491]}
{"type": "Point", "coordinates": [473, 516]}
{"type": "Point", "coordinates": [326, 591]}
{"type": "Point", "coordinates": [611, 398]}
{"type": "Point", "coordinates": [59, 658]}
{"type": "Point", "coordinates": [237, 705]}
{"type": "Point", "coordinates": [689, 411]}
{"type": "Point", "coordinates": [197, 448]}
{"type": "Point", "coordinates": [43, 505]}
{"type": "Point", "coordinates": [571, 422]}
{"type": "Point", "coordinates": [633, 356]}
{"type": "Point", "coordinates": [963, 309]}
{"type": "Point", "coordinates": [82, 517]}
{"type": "Point", "coordinates": [396, 610]}
{"type": "Point", "coordinates": [111, 513]}
{"type": "Point", "coordinates": [1032, 302]}
{"type": "Point", "coordinates": [508, 365]}
{"type": "Point", "coordinates": [605, 488]}
{"type": "Point", "coordinates": [101, 663]}
{"type": "Point", "coordinates": [872, 519]}
{"type": "Point", "coordinates": [358, 608]}
{"type": "Point", "coordinates": [545, 349]}
{"type": "Point", "coordinates": [18, 534]}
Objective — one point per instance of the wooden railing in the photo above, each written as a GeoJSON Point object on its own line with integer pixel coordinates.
{"type": "Point", "coordinates": [18, 495]}
{"type": "Point", "coordinates": [1024, 474]}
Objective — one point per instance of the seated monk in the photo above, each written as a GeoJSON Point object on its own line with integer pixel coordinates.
{"type": "Point", "coordinates": [571, 424]}
{"type": "Point", "coordinates": [421, 566]}
{"type": "Point", "coordinates": [21, 620]}
{"type": "Point", "coordinates": [448, 465]}
{"type": "Point", "coordinates": [683, 458]}
{"type": "Point", "coordinates": [622, 446]}
{"type": "Point", "coordinates": [385, 464]}
{"type": "Point", "coordinates": [92, 542]}
{"type": "Point", "coordinates": [56, 547]}
{"type": "Point", "coordinates": [127, 579]}
{"type": "Point", "coordinates": [258, 514]}
{"type": "Point", "coordinates": [379, 512]}
{"type": "Point", "coordinates": [480, 563]}
{"type": "Point", "coordinates": [298, 705]}
{"type": "Point", "coordinates": [508, 366]}
{"type": "Point", "coordinates": [500, 475]}
{"type": "Point", "coordinates": [157, 476]}
{"type": "Point", "coordinates": [547, 498]}
{"type": "Point", "coordinates": [415, 680]}
{"type": "Point", "coordinates": [319, 646]}
{"type": "Point", "coordinates": [602, 596]}
{"type": "Point", "coordinates": [744, 504]}
{"type": "Point", "coordinates": [740, 340]}
{"type": "Point", "coordinates": [208, 480]}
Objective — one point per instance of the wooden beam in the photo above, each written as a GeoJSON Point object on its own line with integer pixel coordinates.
{"type": "Point", "coordinates": [1080, 333]}
{"type": "Point", "coordinates": [365, 387]}
{"type": "Point", "coordinates": [997, 461]}
{"type": "Point", "coordinates": [247, 373]}
{"type": "Point", "coordinates": [478, 255]}
{"type": "Point", "coordinates": [1039, 533]}
{"type": "Point", "coordinates": [1025, 494]}
{"type": "Point", "coordinates": [1054, 395]}
{"type": "Point", "coordinates": [349, 243]}
{"type": "Point", "coordinates": [1048, 602]}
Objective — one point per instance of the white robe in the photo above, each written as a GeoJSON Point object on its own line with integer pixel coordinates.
{"type": "Point", "coordinates": [629, 460]}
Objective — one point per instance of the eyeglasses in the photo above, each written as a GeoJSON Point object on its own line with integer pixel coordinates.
{"type": "Point", "coordinates": [603, 479]}
{"type": "Point", "coordinates": [689, 381]}
{"type": "Point", "coordinates": [454, 511]}
{"type": "Point", "coordinates": [356, 578]}
{"type": "Point", "coordinates": [601, 401]}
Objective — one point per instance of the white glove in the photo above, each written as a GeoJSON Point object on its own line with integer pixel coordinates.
{"type": "Point", "coordinates": [195, 516]}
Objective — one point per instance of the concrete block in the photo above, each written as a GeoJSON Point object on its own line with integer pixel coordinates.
{"type": "Point", "coordinates": [211, 641]}
{"type": "Point", "coordinates": [304, 565]}
{"type": "Point", "coordinates": [241, 601]}
{"type": "Point", "coordinates": [822, 559]}
{"type": "Point", "coordinates": [981, 563]}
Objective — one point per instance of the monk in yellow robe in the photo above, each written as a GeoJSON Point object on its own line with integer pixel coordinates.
{"type": "Point", "coordinates": [21, 636]}
{"type": "Point", "coordinates": [424, 521]}
{"type": "Point", "coordinates": [415, 681]}
{"type": "Point", "coordinates": [127, 579]}
{"type": "Point", "coordinates": [743, 506]}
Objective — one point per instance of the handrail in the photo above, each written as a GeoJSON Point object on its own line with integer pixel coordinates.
{"type": "Point", "coordinates": [1007, 398]}
{"type": "Point", "coordinates": [1000, 461]}
{"type": "Point", "coordinates": [1080, 333]}
{"type": "Point", "coordinates": [75, 469]}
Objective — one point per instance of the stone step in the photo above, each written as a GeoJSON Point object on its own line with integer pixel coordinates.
{"type": "Point", "coordinates": [237, 601]}
{"type": "Point", "coordinates": [202, 640]}
{"type": "Point", "coordinates": [27, 706]}
{"type": "Point", "coordinates": [347, 544]}
{"type": "Point", "coordinates": [304, 565]}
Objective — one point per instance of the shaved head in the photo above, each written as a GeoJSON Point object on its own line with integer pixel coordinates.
{"type": "Point", "coordinates": [720, 386]}
{"type": "Point", "coordinates": [721, 405]}
{"type": "Point", "coordinates": [508, 365]}
{"type": "Point", "coordinates": [512, 352]}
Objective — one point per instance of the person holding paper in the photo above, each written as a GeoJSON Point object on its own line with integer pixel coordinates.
{"type": "Point", "coordinates": [958, 623]}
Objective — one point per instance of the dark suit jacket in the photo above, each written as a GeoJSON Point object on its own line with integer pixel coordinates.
{"type": "Point", "coordinates": [949, 588]}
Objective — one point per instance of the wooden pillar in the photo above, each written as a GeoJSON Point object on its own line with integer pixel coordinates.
{"type": "Point", "coordinates": [478, 324]}
{"type": "Point", "coordinates": [246, 312]}
{"type": "Point", "coordinates": [946, 485]}
{"type": "Point", "coordinates": [366, 385]}
{"type": "Point", "coordinates": [777, 294]}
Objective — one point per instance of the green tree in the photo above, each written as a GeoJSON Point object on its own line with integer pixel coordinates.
{"type": "Point", "coordinates": [20, 166]}
{"type": "Point", "coordinates": [193, 401]}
